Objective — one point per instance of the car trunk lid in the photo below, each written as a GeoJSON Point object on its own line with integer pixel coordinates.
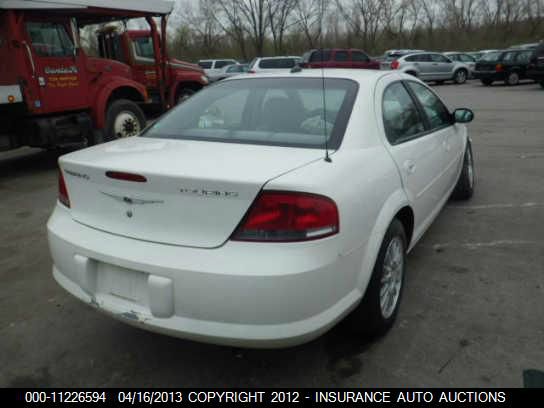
{"type": "Point", "coordinates": [194, 194]}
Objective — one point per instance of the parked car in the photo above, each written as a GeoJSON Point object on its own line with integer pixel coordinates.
{"type": "Point", "coordinates": [432, 66]}
{"type": "Point", "coordinates": [467, 59]}
{"type": "Point", "coordinates": [229, 221]}
{"type": "Point", "coordinates": [338, 58]}
{"type": "Point", "coordinates": [535, 70]}
{"type": "Point", "coordinates": [392, 55]}
{"type": "Point", "coordinates": [273, 64]}
{"type": "Point", "coordinates": [212, 66]}
{"type": "Point", "coordinates": [509, 66]}
{"type": "Point", "coordinates": [229, 71]}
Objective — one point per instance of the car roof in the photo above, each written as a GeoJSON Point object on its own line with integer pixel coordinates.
{"type": "Point", "coordinates": [362, 76]}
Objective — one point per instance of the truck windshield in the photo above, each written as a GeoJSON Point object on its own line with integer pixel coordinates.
{"type": "Point", "coordinates": [265, 111]}
{"type": "Point", "coordinates": [50, 39]}
{"type": "Point", "coordinates": [144, 47]}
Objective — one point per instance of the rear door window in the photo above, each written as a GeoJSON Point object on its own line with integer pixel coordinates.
{"type": "Point", "coordinates": [401, 117]}
{"type": "Point", "coordinates": [205, 64]}
{"type": "Point", "coordinates": [341, 56]}
{"type": "Point", "coordinates": [436, 112]}
{"type": "Point", "coordinates": [524, 57]}
{"type": "Point", "coordinates": [438, 58]}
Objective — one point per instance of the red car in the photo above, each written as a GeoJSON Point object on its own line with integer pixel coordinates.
{"type": "Point", "coordinates": [338, 58]}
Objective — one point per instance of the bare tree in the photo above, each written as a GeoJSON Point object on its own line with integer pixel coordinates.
{"type": "Point", "coordinates": [279, 12]}
{"type": "Point", "coordinates": [309, 15]}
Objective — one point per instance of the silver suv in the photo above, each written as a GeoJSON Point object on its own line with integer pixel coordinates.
{"type": "Point", "coordinates": [432, 66]}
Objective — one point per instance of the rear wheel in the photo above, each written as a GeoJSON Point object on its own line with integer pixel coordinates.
{"type": "Point", "coordinates": [124, 119]}
{"type": "Point", "coordinates": [512, 79]}
{"type": "Point", "coordinates": [464, 189]}
{"type": "Point", "coordinates": [460, 77]}
{"type": "Point", "coordinates": [377, 311]}
{"type": "Point", "coordinates": [487, 82]}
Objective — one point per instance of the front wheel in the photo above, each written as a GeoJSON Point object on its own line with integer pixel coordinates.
{"type": "Point", "coordinates": [460, 77]}
{"type": "Point", "coordinates": [124, 119]}
{"type": "Point", "coordinates": [464, 189]}
{"type": "Point", "coordinates": [377, 311]}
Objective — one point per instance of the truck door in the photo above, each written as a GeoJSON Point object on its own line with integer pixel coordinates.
{"type": "Point", "coordinates": [57, 67]}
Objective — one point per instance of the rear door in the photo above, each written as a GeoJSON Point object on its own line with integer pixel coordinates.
{"type": "Point", "coordinates": [424, 64]}
{"type": "Point", "coordinates": [57, 66]}
{"type": "Point", "coordinates": [522, 62]}
{"type": "Point", "coordinates": [418, 153]}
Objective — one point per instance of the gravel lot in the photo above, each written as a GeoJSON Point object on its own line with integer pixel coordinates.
{"type": "Point", "coordinates": [472, 312]}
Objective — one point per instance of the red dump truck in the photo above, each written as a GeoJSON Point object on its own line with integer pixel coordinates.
{"type": "Point", "coordinates": [53, 95]}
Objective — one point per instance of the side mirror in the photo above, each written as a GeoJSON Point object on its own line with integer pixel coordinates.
{"type": "Point", "coordinates": [463, 115]}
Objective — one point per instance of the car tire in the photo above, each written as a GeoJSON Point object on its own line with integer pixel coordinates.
{"type": "Point", "coordinates": [124, 118]}
{"type": "Point", "coordinates": [460, 76]}
{"type": "Point", "coordinates": [487, 82]}
{"type": "Point", "coordinates": [464, 189]}
{"type": "Point", "coordinates": [374, 316]}
{"type": "Point", "coordinates": [183, 94]}
{"type": "Point", "coordinates": [512, 79]}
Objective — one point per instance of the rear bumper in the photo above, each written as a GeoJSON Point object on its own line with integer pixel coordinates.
{"type": "Point", "coordinates": [241, 294]}
{"type": "Point", "coordinates": [491, 75]}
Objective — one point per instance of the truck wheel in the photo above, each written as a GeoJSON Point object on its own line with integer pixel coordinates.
{"type": "Point", "coordinates": [460, 77]}
{"type": "Point", "coordinates": [124, 119]}
{"type": "Point", "coordinates": [184, 94]}
{"type": "Point", "coordinates": [377, 311]}
{"type": "Point", "coordinates": [487, 82]}
{"type": "Point", "coordinates": [512, 79]}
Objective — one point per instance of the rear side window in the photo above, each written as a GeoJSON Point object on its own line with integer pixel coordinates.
{"type": "Point", "coordinates": [455, 57]}
{"type": "Point", "coordinates": [341, 56]}
{"type": "Point", "coordinates": [401, 117]}
{"type": "Point", "coordinates": [413, 58]}
{"type": "Point", "coordinates": [491, 56]}
{"type": "Point", "coordinates": [277, 63]}
{"type": "Point", "coordinates": [265, 111]}
{"type": "Point", "coordinates": [358, 56]}
{"type": "Point", "coordinates": [320, 55]}
{"type": "Point", "coordinates": [436, 112]}
{"type": "Point", "coordinates": [205, 64]}
{"type": "Point", "coordinates": [466, 58]}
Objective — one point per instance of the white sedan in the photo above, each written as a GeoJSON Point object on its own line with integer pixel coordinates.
{"type": "Point", "coordinates": [263, 210]}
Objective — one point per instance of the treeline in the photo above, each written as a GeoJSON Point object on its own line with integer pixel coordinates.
{"type": "Point", "coordinates": [244, 29]}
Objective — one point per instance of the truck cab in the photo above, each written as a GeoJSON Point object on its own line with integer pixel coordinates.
{"type": "Point", "coordinates": [53, 95]}
{"type": "Point", "coordinates": [135, 48]}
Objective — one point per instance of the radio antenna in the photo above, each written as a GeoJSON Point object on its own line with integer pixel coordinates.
{"type": "Point", "coordinates": [322, 51]}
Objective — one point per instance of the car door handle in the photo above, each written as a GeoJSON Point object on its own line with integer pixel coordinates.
{"type": "Point", "coordinates": [410, 166]}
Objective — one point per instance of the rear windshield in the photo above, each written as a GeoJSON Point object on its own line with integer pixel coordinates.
{"type": "Point", "coordinates": [277, 63]}
{"type": "Point", "coordinates": [266, 111]}
{"type": "Point", "coordinates": [491, 56]}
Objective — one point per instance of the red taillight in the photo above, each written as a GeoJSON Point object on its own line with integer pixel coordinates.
{"type": "Point", "coordinates": [499, 68]}
{"type": "Point", "coordinates": [288, 216]}
{"type": "Point", "coordinates": [395, 64]}
{"type": "Point", "coordinates": [63, 191]}
{"type": "Point", "coordinates": [119, 175]}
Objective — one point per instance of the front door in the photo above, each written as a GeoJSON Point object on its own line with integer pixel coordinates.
{"type": "Point", "coordinates": [57, 66]}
